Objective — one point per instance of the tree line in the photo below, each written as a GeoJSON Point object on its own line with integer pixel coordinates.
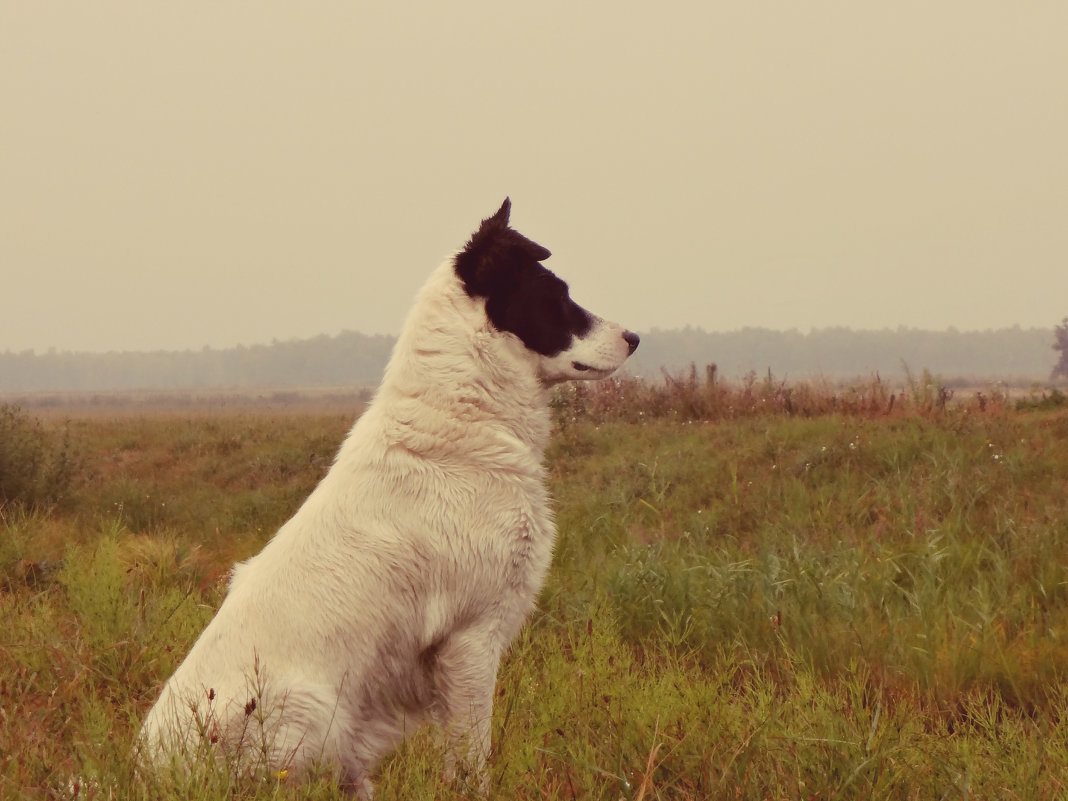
{"type": "Point", "coordinates": [348, 359]}
{"type": "Point", "coordinates": [1011, 354]}
{"type": "Point", "coordinates": [353, 359]}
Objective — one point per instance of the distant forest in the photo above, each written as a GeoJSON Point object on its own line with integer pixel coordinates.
{"type": "Point", "coordinates": [355, 360]}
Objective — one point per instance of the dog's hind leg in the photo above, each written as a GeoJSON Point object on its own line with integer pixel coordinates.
{"type": "Point", "coordinates": [368, 737]}
{"type": "Point", "coordinates": [356, 783]}
{"type": "Point", "coordinates": [465, 672]}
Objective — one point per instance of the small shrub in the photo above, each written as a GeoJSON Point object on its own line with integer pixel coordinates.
{"type": "Point", "coordinates": [36, 468]}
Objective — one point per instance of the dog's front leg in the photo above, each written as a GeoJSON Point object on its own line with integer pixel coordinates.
{"type": "Point", "coordinates": [465, 675]}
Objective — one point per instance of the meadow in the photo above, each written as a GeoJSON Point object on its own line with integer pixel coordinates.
{"type": "Point", "coordinates": [760, 591]}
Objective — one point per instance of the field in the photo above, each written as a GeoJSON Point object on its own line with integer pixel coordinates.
{"type": "Point", "coordinates": [760, 591]}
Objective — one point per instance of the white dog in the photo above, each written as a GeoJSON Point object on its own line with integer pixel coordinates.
{"type": "Point", "coordinates": [390, 596]}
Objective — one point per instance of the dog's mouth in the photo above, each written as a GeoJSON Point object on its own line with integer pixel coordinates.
{"type": "Point", "coordinates": [582, 367]}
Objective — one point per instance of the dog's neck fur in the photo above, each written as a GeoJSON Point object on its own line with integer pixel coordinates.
{"type": "Point", "coordinates": [454, 377]}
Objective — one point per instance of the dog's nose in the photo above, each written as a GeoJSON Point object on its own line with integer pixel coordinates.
{"type": "Point", "coordinates": [632, 340]}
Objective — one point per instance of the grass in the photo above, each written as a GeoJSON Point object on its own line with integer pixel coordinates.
{"type": "Point", "coordinates": [760, 591]}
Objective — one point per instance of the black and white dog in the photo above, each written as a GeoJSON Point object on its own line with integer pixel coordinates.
{"type": "Point", "coordinates": [389, 597]}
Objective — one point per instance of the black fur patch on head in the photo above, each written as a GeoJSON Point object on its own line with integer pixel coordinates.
{"type": "Point", "coordinates": [522, 297]}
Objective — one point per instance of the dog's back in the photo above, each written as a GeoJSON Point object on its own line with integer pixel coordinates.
{"type": "Point", "coordinates": [390, 596]}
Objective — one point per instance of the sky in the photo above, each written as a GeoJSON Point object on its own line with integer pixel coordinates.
{"type": "Point", "coordinates": [204, 174]}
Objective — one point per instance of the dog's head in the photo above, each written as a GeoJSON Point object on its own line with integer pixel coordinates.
{"type": "Point", "coordinates": [527, 300]}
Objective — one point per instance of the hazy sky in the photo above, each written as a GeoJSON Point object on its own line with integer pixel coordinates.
{"type": "Point", "coordinates": [213, 173]}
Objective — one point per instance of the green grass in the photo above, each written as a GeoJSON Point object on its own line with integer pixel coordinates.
{"type": "Point", "coordinates": [846, 598]}
{"type": "Point", "coordinates": [936, 552]}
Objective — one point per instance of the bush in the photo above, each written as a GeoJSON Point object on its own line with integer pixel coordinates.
{"type": "Point", "coordinates": [1060, 369]}
{"type": "Point", "coordinates": [1043, 399]}
{"type": "Point", "coordinates": [36, 467]}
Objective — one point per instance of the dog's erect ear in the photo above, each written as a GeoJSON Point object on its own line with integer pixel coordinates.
{"type": "Point", "coordinates": [501, 217]}
{"type": "Point", "coordinates": [492, 249]}
{"type": "Point", "coordinates": [492, 228]}
{"type": "Point", "coordinates": [529, 247]}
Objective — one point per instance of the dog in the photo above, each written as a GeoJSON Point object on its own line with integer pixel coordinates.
{"type": "Point", "coordinates": [388, 599]}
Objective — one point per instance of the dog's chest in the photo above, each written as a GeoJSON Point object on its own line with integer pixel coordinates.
{"type": "Point", "coordinates": [531, 537]}
{"type": "Point", "coordinates": [517, 536]}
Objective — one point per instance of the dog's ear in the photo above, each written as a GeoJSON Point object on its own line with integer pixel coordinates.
{"type": "Point", "coordinates": [529, 247]}
{"type": "Point", "coordinates": [537, 252]}
{"type": "Point", "coordinates": [492, 228]}
{"type": "Point", "coordinates": [493, 252]}
{"type": "Point", "coordinates": [502, 215]}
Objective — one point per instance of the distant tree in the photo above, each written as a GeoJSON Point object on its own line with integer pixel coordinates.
{"type": "Point", "coordinates": [1061, 334]}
